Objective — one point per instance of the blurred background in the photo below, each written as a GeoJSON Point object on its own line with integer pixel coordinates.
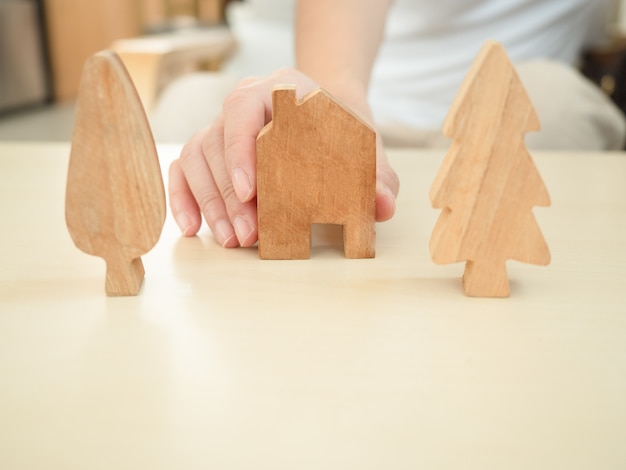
{"type": "Point", "coordinates": [44, 43]}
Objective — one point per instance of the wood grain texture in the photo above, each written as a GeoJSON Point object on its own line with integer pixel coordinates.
{"type": "Point", "coordinates": [488, 183]}
{"type": "Point", "coordinates": [115, 199]}
{"type": "Point", "coordinates": [376, 360]}
{"type": "Point", "coordinates": [316, 164]}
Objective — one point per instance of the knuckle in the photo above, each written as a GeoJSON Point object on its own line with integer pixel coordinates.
{"type": "Point", "coordinates": [192, 150]}
{"type": "Point", "coordinates": [210, 203]}
{"type": "Point", "coordinates": [235, 97]}
{"type": "Point", "coordinates": [186, 154]}
{"type": "Point", "coordinates": [228, 195]}
{"type": "Point", "coordinates": [214, 202]}
{"type": "Point", "coordinates": [212, 148]}
{"type": "Point", "coordinates": [237, 141]}
{"type": "Point", "coordinates": [201, 147]}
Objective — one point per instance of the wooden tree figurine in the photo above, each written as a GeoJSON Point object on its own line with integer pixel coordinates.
{"type": "Point", "coordinates": [115, 200]}
{"type": "Point", "coordinates": [488, 184]}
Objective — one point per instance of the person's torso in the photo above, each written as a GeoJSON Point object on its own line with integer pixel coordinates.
{"type": "Point", "coordinates": [429, 46]}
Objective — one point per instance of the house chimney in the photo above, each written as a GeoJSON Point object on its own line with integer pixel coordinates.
{"type": "Point", "coordinates": [283, 99]}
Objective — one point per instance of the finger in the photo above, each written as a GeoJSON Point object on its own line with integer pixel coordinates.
{"type": "Point", "coordinates": [385, 203]}
{"type": "Point", "coordinates": [182, 203]}
{"type": "Point", "coordinates": [245, 115]}
{"type": "Point", "coordinates": [205, 192]}
{"type": "Point", "coordinates": [246, 111]}
{"type": "Point", "coordinates": [242, 215]}
{"type": "Point", "coordinates": [387, 186]}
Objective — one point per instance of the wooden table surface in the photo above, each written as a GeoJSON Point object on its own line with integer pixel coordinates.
{"type": "Point", "coordinates": [225, 361]}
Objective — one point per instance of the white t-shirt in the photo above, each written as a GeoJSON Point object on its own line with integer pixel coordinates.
{"type": "Point", "coordinates": [430, 45]}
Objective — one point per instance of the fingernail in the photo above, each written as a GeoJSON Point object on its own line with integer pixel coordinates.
{"type": "Point", "coordinates": [183, 222]}
{"type": "Point", "coordinates": [224, 233]}
{"type": "Point", "coordinates": [241, 183]}
{"type": "Point", "coordinates": [242, 228]}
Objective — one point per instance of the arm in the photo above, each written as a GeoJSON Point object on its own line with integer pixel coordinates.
{"type": "Point", "coordinates": [336, 44]}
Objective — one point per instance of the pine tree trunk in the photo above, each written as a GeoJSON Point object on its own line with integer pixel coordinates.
{"type": "Point", "coordinates": [486, 279]}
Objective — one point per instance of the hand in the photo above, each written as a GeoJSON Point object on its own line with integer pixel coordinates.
{"type": "Point", "coordinates": [215, 175]}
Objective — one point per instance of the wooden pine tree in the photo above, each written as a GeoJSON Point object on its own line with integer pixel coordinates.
{"type": "Point", "coordinates": [115, 200]}
{"type": "Point", "coordinates": [488, 183]}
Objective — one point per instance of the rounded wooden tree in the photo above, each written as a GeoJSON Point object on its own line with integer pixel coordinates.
{"type": "Point", "coordinates": [115, 200]}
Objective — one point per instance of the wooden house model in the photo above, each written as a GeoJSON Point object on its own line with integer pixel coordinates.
{"type": "Point", "coordinates": [316, 164]}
